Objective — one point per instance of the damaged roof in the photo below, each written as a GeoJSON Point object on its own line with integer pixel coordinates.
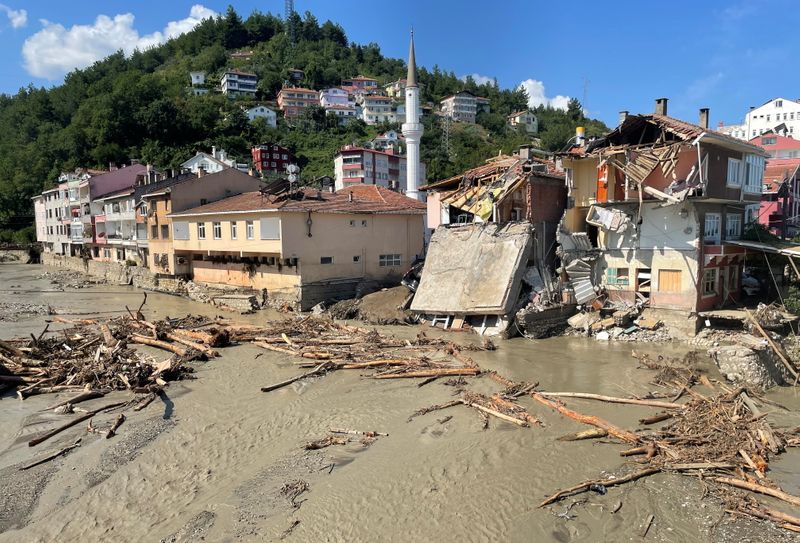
{"type": "Point", "coordinates": [477, 190]}
{"type": "Point", "coordinates": [366, 199]}
{"type": "Point", "coordinates": [779, 171]}
{"type": "Point", "coordinates": [654, 129]}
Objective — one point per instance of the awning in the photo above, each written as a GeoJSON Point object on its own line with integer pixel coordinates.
{"type": "Point", "coordinates": [777, 247]}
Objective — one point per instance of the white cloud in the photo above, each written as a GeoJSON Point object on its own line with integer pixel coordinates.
{"type": "Point", "coordinates": [17, 17]}
{"type": "Point", "coordinates": [480, 79]}
{"type": "Point", "coordinates": [537, 96]}
{"type": "Point", "coordinates": [55, 50]}
{"type": "Point", "coordinates": [703, 87]}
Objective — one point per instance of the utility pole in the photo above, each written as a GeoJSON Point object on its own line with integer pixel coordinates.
{"type": "Point", "coordinates": [288, 11]}
{"type": "Point", "coordinates": [446, 124]}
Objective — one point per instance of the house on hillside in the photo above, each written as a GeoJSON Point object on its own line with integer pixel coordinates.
{"type": "Point", "coordinates": [294, 100]}
{"type": "Point", "coordinates": [361, 166]}
{"type": "Point", "coordinates": [655, 211]}
{"type": "Point", "coordinates": [304, 247]}
{"type": "Point", "coordinates": [215, 162]}
{"type": "Point", "coordinates": [463, 106]}
{"type": "Point", "coordinates": [525, 118]}
{"type": "Point", "coordinates": [235, 83]}
{"type": "Point", "coordinates": [271, 158]}
{"type": "Point", "coordinates": [262, 112]}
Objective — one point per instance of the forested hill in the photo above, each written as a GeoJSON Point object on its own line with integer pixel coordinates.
{"type": "Point", "coordinates": [123, 108]}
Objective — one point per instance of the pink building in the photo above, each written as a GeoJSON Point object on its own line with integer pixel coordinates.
{"type": "Point", "coordinates": [780, 198]}
{"type": "Point", "coordinates": [778, 146]}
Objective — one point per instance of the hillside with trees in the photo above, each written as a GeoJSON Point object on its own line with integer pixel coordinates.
{"type": "Point", "coordinates": [138, 107]}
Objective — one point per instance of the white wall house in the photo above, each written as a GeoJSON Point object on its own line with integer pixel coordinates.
{"type": "Point", "coordinates": [781, 115]}
{"type": "Point", "coordinates": [198, 80]}
{"type": "Point", "coordinates": [526, 118]}
{"type": "Point", "coordinates": [334, 96]}
{"type": "Point", "coordinates": [215, 162]}
{"type": "Point", "coordinates": [464, 106]}
{"type": "Point", "coordinates": [377, 109]}
{"type": "Point", "coordinates": [262, 112]}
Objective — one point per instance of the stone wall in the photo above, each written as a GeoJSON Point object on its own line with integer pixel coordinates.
{"type": "Point", "coordinates": [14, 255]}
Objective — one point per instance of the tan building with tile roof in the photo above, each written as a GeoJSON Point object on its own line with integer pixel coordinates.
{"type": "Point", "coordinates": [305, 248]}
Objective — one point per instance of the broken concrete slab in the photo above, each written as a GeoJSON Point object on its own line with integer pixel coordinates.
{"type": "Point", "coordinates": [474, 269]}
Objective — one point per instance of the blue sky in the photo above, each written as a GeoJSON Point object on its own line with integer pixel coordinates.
{"type": "Point", "coordinates": [619, 55]}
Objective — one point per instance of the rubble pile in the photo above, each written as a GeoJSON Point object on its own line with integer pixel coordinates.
{"type": "Point", "coordinates": [614, 322]}
{"type": "Point", "coordinates": [12, 311]}
{"type": "Point", "coordinates": [70, 279]}
{"type": "Point", "coordinates": [385, 306]}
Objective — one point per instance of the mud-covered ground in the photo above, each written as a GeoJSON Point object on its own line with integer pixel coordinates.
{"type": "Point", "coordinates": [213, 459]}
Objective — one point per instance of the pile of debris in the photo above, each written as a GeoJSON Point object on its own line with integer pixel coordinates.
{"type": "Point", "coordinates": [13, 311]}
{"type": "Point", "coordinates": [386, 306]}
{"type": "Point", "coordinates": [96, 355]}
{"type": "Point", "coordinates": [609, 321]}
{"type": "Point", "coordinates": [71, 279]}
{"type": "Point", "coordinates": [326, 346]}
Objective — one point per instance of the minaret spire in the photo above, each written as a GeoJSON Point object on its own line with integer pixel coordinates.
{"type": "Point", "coordinates": [411, 78]}
{"type": "Point", "coordinates": [412, 128]}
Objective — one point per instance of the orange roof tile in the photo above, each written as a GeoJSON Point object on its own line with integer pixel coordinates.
{"type": "Point", "coordinates": [367, 199]}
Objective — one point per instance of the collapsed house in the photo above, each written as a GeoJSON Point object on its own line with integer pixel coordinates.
{"type": "Point", "coordinates": [493, 249]}
{"type": "Point", "coordinates": [651, 209]}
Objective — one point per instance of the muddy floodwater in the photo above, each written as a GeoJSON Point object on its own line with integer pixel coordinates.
{"type": "Point", "coordinates": [209, 461]}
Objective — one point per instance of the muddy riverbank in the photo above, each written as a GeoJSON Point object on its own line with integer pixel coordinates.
{"type": "Point", "coordinates": [212, 461]}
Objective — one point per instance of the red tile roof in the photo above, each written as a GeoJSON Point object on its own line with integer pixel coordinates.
{"type": "Point", "coordinates": [367, 199]}
{"type": "Point", "coordinates": [779, 170]}
{"type": "Point", "coordinates": [781, 142]}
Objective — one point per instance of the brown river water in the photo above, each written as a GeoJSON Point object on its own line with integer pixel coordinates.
{"type": "Point", "coordinates": [209, 462]}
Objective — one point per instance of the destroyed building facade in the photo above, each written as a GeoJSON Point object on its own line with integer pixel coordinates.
{"type": "Point", "coordinates": [650, 209]}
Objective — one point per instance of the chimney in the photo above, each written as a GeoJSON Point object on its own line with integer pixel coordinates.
{"type": "Point", "coordinates": [661, 106]}
{"type": "Point", "coordinates": [622, 116]}
{"type": "Point", "coordinates": [350, 196]}
{"type": "Point", "coordinates": [704, 117]}
{"type": "Point", "coordinates": [580, 133]}
{"type": "Point", "coordinates": [214, 151]}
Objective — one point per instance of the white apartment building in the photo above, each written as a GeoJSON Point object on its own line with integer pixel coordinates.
{"type": "Point", "coordinates": [262, 112]}
{"type": "Point", "coordinates": [357, 165]}
{"type": "Point", "coordinates": [376, 109]}
{"type": "Point", "coordinates": [235, 83]}
{"type": "Point", "coordinates": [345, 113]}
{"type": "Point", "coordinates": [780, 115]}
{"type": "Point", "coordinates": [334, 96]}
{"type": "Point", "coordinates": [464, 106]}
{"type": "Point", "coordinates": [215, 162]}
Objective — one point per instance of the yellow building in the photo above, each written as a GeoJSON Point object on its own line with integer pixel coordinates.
{"type": "Point", "coordinates": [180, 193]}
{"type": "Point", "coordinates": [304, 248]}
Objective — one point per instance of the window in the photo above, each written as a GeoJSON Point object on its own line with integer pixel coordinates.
{"type": "Point", "coordinates": [154, 232]}
{"type": "Point", "coordinates": [352, 222]}
{"type": "Point", "coordinates": [385, 261]}
{"type": "Point", "coordinates": [710, 282]}
{"type": "Point", "coordinates": [249, 229]}
{"type": "Point", "coordinates": [734, 172]}
{"type": "Point", "coordinates": [733, 226]}
{"type": "Point", "coordinates": [217, 230]}
{"type": "Point", "coordinates": [711, 232]}
{"type": "Point", "coordinates": [754, 173]}
{"type": "Point", "coordinates": [767, 117]}
{"type": "Point", "coordinates": [778, 103]}
{"type": "Point", "coordinates": [106, 253]}
{"type": "Point", "coordinates": [617, 276]}
{"type": "Point", "coordinates": [233, 229]}
{"type": "Point", "coordinates": [164, 231]}
{"type": "Point", "coordinates": [120, 255]}
{"type": "Point", "coordinates": [364, 222]}
{"type": "Point", "coordinates": [751, 213]}
{"type": "Point", "coordinates": [669, 280]}
{"type": "Point", "coordinates": [201, 230]}
{"type": "Point", "coordinates": [356, 258]}
{"type": "Point", "coordinates": [326, 260]}
{"type": "Point", "coordinates": [203, 201]}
